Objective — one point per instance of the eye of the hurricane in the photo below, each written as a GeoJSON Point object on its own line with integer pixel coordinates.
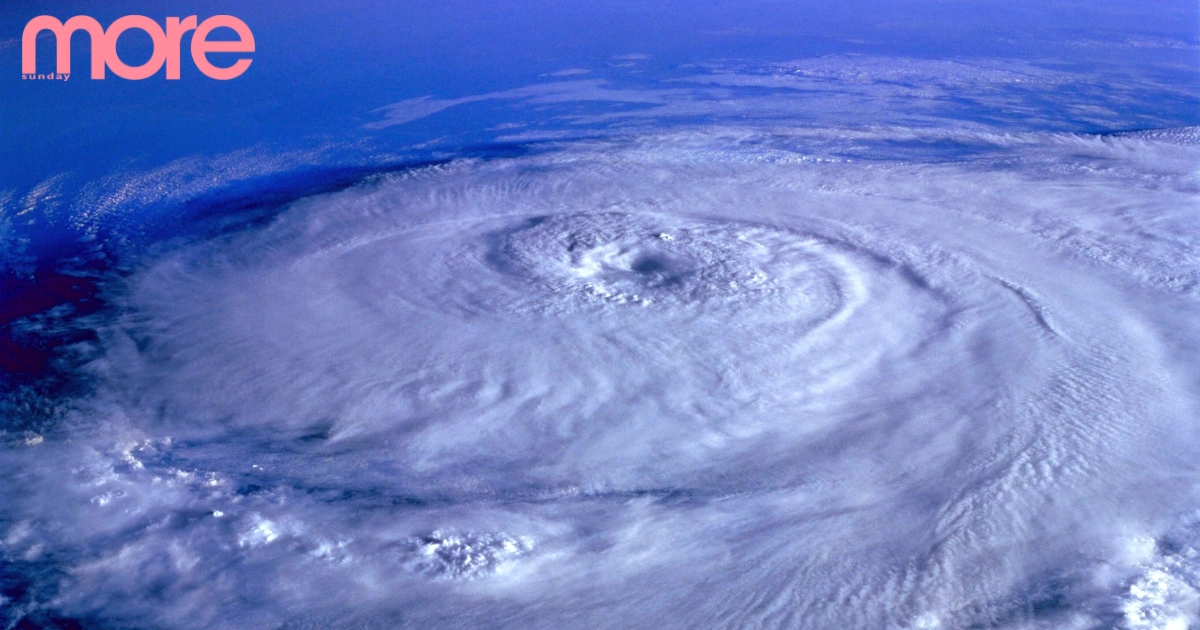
{"type": "Point", "coordinates": [633, 265]}
{"type": "Point", "coordinates": [649, 265]}
{"type": "Point", "coordinates": [668, 264]}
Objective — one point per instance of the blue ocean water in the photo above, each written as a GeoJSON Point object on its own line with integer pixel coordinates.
{"type": "Point", "coordinates": [358, 321]}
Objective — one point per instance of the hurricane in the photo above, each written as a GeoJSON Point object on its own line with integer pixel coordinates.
{"type": "Point", "coordinates": [840, 342]}
{"type": "Point", "coordinates": [745, 382]}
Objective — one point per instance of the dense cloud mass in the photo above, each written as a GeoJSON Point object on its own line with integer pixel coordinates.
{"type": "Point", "coordinates": [720, 378]}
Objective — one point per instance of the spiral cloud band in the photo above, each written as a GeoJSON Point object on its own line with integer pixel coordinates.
{"type": "Point", "coordinates": [717, 378]}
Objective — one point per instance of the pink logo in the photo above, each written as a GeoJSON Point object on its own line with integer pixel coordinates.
{"type": "Point", "coordinates": [166, 46]}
